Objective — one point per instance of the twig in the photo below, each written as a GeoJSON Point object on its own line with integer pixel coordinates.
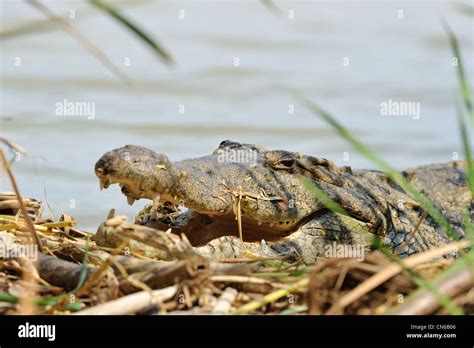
{"type": "Point", "coordinates": [251, 260]}
{"type": "Point", "coordinates": [47, 202]}
{"type": "Point", "coordinates": [24, 212]}
{"type": "Point", "coordinates": [130, 304]}
{"type": "Point", "coordinates": [413, 233]}
{"type": "Point", "coordinates": [81, 38]}
{"type": "Point", "coordinates": [13, 146]}
{"type": "Point", "coordinates": [272, 297]}
{"type": "Point", "coordinates": [426, 303]}
{"type": "Point", "coordinates": [392, 270]}
{"type": "Point", "coordinates": [245, 280]}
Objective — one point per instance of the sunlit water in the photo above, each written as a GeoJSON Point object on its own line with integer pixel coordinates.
{"type": "Point", "coordinates": [238, 70]}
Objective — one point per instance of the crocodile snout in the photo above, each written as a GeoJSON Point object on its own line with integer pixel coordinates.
{"type": "Point", "coordinates": [101, 172]}
{"type": "Point", "coordinates": [140, 172]}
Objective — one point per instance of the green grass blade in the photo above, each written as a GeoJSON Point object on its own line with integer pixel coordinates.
{"type": "Point", "coordinates": [323, 197]}
{"type": "Point", "coordinates": [465, 8]}
{"type": "Point", "coordinates": [468, 225]}
{"type": "Point", "coordinates": [42, 301]}
{"type": "Point", "coordinates": [465, 90]}
{"type": "Point", "coordinates": [85, 262]}
{"type": "Point", "coordinates": [295, 310]}
{"type": "Point", "coordinates": [467, 98]}
{"type": "Point", "coordinates": [463, 129]}
{"type": "Point", "coordinates": [467, 149]}
{"type": "Point", "coordinates": [270, 5]}
{"type": "Point", "coordinates": [114, 13]}
{"type": "Point", "coordinates": [6, 297]}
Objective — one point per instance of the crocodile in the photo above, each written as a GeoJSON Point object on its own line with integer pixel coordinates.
{"type": "Point", "coordinates": [243, 199]}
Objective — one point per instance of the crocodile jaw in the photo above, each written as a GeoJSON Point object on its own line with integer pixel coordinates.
{"type": "Point", "coordinates": [253, 230]}
{"type": "Point", "coordinates": [140, 172]}
{"type": "Point", "coordinates": [134, 191]}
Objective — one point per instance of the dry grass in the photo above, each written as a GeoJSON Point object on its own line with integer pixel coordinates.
{"type": "Point", "coordinates": [97, 279]}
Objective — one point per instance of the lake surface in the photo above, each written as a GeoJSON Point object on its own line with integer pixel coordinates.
{"type": "Point", "coordinates": [238, 69]}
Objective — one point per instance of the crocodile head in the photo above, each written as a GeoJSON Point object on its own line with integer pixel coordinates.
{"type": "Point", "coordinates": [237, 186]}
{"type": "Point", "coordinates": [234, 180]}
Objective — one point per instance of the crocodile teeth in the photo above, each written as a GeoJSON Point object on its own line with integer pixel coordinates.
{"type": "Point", "coordinates": [156, 199]}
{"type": "Point", "coordinates": [104, 184]}
{"type": "Point", "coordinates": [259, 223]}
{"type": "Point", "coordinates": [130, 200]}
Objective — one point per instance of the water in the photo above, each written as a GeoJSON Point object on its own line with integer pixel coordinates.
{"type": "Point", "coordinates": [402, 59]}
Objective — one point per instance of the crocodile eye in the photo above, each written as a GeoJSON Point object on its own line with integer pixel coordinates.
{"type": "Point", "coordinates": [288, 163]}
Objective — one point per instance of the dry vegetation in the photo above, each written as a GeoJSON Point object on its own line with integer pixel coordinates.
{"type": "Point", "coordinates": [132, 269]}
